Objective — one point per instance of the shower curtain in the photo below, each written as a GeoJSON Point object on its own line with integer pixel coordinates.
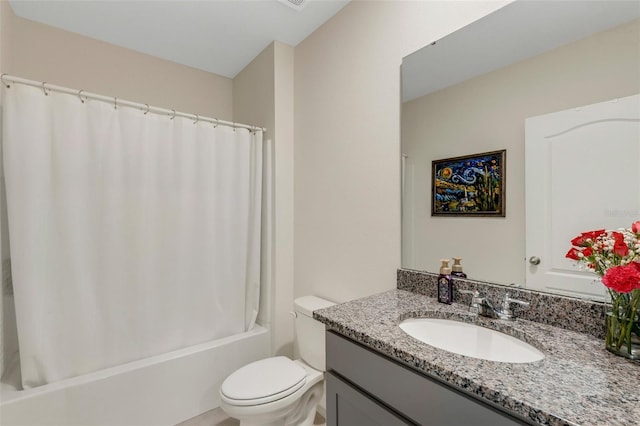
{"type": "Point", "coordinates": [131, 234]}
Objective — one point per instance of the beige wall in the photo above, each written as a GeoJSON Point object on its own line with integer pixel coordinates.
{"type": "Point", "coordinates": [283, 181]}
{"type": "Point", "coordinates": [3, 225]}
{"type": "Point", "coordinates": [347, 141]}
{"type": "Point", "coordinates": [263, 95]}
{"type": "Point", "coordinates": [253, 94]}
{"type": "Point", "coordinates": [43, 53]}
{"type": "Point", "coordinates": [487, 113]}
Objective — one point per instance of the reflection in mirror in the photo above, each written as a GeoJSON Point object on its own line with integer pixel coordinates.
{"type": "Point", "coordinates": [473, 92]}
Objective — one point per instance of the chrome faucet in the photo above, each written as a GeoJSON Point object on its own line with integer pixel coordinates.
{"type": "Point", "coordinates": [480, 305]}
{"type": "Point", "coordinates": [506, 312]}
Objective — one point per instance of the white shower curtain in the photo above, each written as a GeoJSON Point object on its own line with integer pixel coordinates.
{"type": "Point", "coordinates": [131, 234]}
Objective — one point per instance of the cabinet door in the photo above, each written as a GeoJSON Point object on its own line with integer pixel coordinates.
{"type": "Point", "coordinates": [347, 406]}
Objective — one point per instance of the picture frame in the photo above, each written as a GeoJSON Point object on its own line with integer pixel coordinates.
{"type": "Point", "coordinates": [470, 185]}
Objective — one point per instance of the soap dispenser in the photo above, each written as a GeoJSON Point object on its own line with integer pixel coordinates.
{"type": "Point", "coordinates": [457, 268]}
{"type": "Point", "coordinates": [445, 283]}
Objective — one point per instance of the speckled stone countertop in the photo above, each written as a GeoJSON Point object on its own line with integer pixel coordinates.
{"type": "Point", "coordinates": [577, 383]}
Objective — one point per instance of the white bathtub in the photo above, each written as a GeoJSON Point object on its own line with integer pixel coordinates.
{"type": "Point", "coordinates": [161, 390]}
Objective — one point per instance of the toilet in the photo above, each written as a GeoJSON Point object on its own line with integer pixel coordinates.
{"type": "Point", "coordinates": [278, 391]}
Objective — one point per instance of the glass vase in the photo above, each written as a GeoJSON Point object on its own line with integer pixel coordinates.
{"type": "Point", "coordinates": [623, 335]}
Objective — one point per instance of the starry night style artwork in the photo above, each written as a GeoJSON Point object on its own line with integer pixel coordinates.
{"type": "Point", "coordinates": [472, 185]}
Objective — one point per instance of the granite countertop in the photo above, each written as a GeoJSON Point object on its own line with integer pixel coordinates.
{"type": "Point", "coordinates": [577, 383]}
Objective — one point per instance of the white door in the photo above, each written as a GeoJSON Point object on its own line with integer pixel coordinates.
{"type": "Point", "coordinates": [582, 173]}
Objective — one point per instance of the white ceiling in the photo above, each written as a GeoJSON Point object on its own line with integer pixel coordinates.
{"type": "Point", "coordinates": [218, 36]}
{"type": "Point", "coordinates": [517, 31]}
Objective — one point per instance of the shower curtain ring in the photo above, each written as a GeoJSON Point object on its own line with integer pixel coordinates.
{"type": "Point", "coordinates": [174, 114]}
{"type": "Point", "coordinates": [197, 119]}
{"type": "Point", "coordinates": [148, 108]}
{"type": "Point", "coordinates": [80, 96]}
{"type": "Point", "coordinates": [44, 89]}
{"type": "Point", "coordinates": [4, 82]}
{"type": "Point", "coordinates": [234, 126]}
{"type": "Point", "coordinates": [115, 103]}
{"type": "Point", "coordinates": [216, 123]}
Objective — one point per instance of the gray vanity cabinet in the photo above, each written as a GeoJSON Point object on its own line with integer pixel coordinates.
{"type": "Point", "coordinates": [366, 388]}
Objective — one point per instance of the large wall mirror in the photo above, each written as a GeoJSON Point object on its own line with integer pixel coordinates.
{"type": "Point", "coordinates": [484, 88]}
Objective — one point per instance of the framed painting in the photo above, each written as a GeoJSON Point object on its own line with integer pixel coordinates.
{"type": "Point", "coordinates": [471, 185]}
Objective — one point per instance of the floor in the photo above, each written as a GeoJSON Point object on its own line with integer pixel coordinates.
{"type": "Point", "coordinates": [217, 417]}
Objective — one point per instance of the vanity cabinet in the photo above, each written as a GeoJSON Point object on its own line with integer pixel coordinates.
{"type": "Point", "coordinates": [367, 388]}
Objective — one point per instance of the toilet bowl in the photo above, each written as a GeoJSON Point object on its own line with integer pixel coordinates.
{"type": "Point", "coordinates": [273, 391]}
{"type": "Point", "coordinates": [278, 391]}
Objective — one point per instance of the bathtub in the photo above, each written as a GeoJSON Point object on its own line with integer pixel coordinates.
{"type": "Point", "coordinates": [161, 390]}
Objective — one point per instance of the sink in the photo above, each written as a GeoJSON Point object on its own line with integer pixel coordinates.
{"type": "Point", "coordinates": [470, 340]}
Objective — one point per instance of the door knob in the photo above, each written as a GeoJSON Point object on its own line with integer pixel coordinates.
{"type": "Point", "coordinates": [534, 260]}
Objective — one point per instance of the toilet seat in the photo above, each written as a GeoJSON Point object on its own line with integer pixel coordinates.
{"type": "Point", "coordinates": [263, 381]}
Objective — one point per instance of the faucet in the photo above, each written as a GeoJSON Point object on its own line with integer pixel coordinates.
{"type": "Point", "coordinates": [506, 313]}
{"type": "Point", "coordinates": [480, 305]}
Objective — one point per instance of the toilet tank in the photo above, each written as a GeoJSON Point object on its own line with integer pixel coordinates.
{"type": "Point", "coordinates": [309, 332]}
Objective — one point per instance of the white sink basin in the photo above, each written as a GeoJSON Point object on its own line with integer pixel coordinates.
{"type": "Point", "coordinates": [470, 340]}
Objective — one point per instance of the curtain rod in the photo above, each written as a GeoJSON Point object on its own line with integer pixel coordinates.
{"type": "Point", "coordinates": [83, 96]}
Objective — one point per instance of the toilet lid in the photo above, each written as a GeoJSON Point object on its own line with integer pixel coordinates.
{"type": "Point", "coordinates": [263, 381]}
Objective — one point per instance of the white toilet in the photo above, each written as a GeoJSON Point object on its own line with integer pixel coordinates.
{"type": "Point", "coordinates": [279, 391]}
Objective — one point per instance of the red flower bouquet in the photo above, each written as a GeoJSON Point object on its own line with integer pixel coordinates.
{"type": "Point", "coordinates": [615, 256]}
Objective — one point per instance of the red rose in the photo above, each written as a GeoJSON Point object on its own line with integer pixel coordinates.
{"type": "Point", "coordinates": [620, 249]}
{"type": "Point", "coordinates": [581, 240]}
{"type": "Point", "coordinates": [618, 237]}
{"type": "Point", "coordinates": [623, 279]}
{"type": "Point", "coordinates": [578, 241]}
{"type": "Point", "coordinates": [572, 254]}
{"type": "Point", "coordinates": [619, 246]}
{"type": "Point", "coordinates": [635, 227]}
{"type": "Point", "coordinates": [598, 233]}
{"type": "Point", "coordinates": [592, 235]}
{"type": "Point", "coordinates": [587, 251]}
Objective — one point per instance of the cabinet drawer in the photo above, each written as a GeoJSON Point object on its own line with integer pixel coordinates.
{"type": "Point", "coordinates": [348, 406]}
{"type": "Point", "coordinates": [414, 395]}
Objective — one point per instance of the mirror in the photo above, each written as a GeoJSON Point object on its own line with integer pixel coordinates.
{"type": "Point", "coordinates": [472, 91]}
